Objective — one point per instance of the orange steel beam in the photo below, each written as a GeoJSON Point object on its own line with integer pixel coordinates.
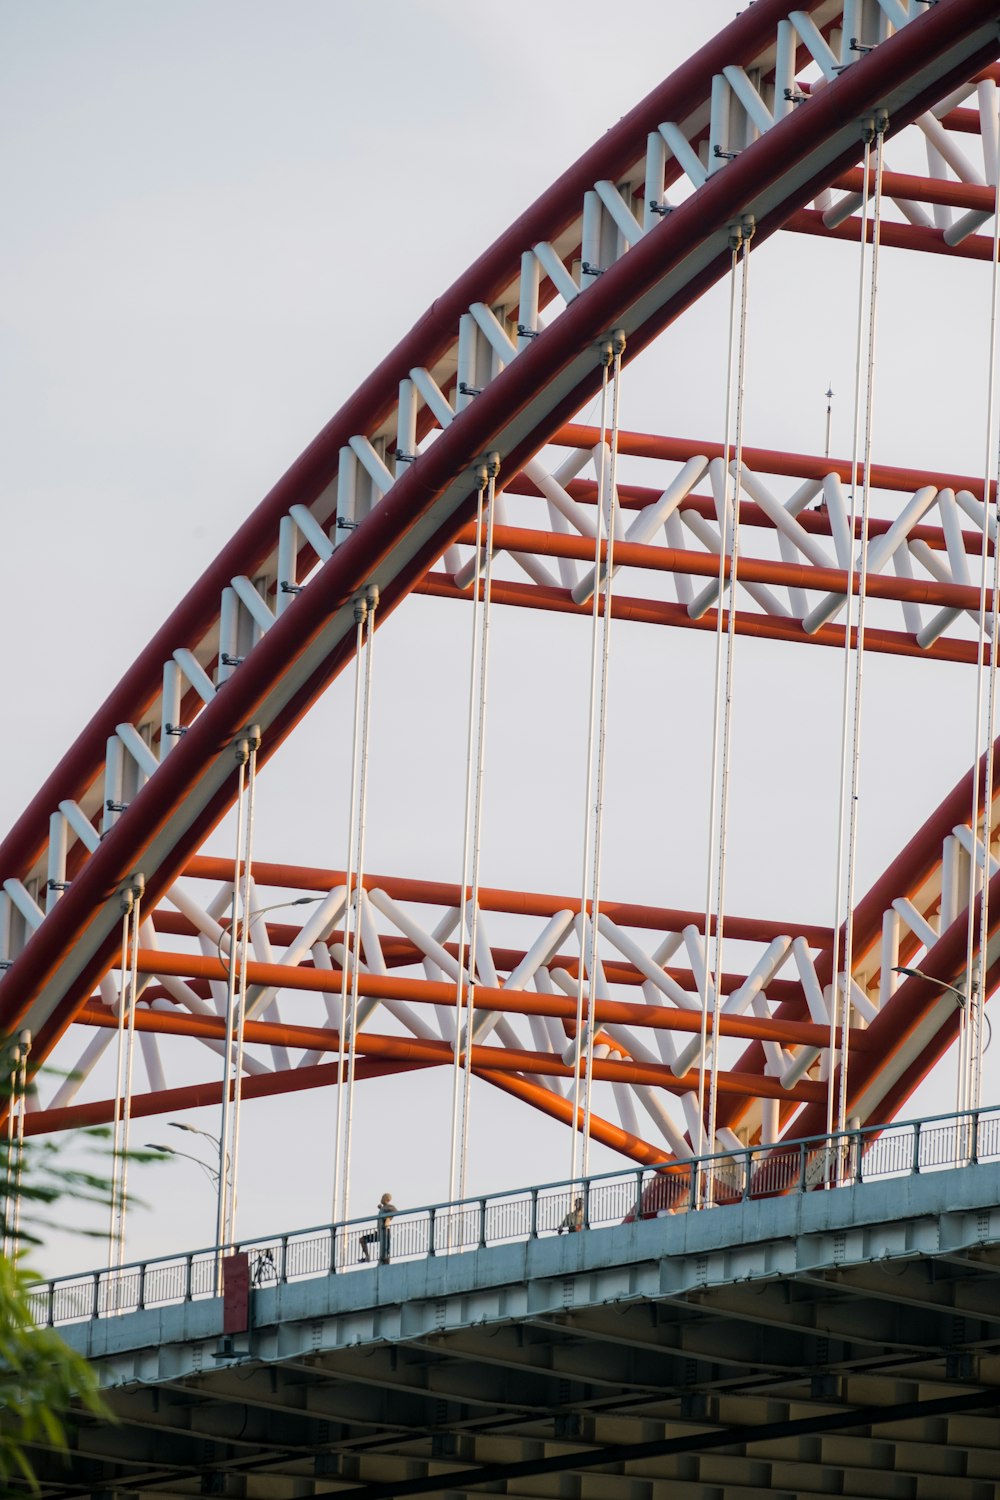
{"type": "Point", "coordinates": [750, 570]}
{"type": "Point", "coordinates": [561, 1109]}
{"type": "Point", "coordinates": [437, 992]}
{"type": "Point", "coordinates": [204, 1095]}
{"type": "Point", "coordinates": [769, 460]}
{"type": "Point", "coordinates": [923, 189]}
{"type": "Point", "coordinates": [322, 1075]}
{"type": "Point", "coordinates": [514, 903]}
{"type": "Point", "coordinates": [656, 612]}
{"type": "Point", "coordinates": [424, 1051]}
{"type": "Point", "coordinates": [400, 952]}
{"type": "Point", "coordinates": [896, 237]}
{"type": "Point", "coordinates": [815, 520]}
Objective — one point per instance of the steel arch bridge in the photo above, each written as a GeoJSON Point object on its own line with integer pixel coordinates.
{"type": "Point", "coordinates": [763, 126]}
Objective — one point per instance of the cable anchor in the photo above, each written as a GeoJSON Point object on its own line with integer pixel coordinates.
{"type": "Point", "coordinates": [131, 891]}
{"type": "Point", "coordinates": [246, 743]}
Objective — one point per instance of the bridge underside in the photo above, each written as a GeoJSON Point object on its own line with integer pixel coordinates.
{"type": "Point", "coordinates": [840, 1343]}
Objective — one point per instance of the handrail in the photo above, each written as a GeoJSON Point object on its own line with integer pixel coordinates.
{"type": "Point", "coordinates": [843, 1159]}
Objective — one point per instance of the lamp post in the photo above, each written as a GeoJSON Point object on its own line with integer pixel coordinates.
{"type": "Point", "coordinates": [209, 1171]}
{"type": "Point", "coordinates": [966, 1002]}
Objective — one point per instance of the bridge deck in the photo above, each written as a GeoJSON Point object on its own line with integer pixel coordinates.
{"type": "Point", "coordinates": [843, 1342]}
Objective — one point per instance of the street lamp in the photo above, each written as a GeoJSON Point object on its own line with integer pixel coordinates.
{"type": "Point", "coordinates": [209, 1171]}
{"type": "Point", "coordinates": [942, 984]}
{"type": "Point", "coordinates": [962, 999]}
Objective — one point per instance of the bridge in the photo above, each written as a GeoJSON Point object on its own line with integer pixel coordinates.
{"type": "Point", "coordinates": [723, 907]}
{"type": "Point", "coordinates": [820, 1339]}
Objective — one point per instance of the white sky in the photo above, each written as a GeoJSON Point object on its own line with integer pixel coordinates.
{"type": "Point", "coordinates": [218, 219]}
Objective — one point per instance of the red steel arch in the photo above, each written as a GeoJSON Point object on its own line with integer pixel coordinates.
{"type": "Point", "coordinates": [809, 146]}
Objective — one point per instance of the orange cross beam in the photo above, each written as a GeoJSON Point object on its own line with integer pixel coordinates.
{"type": "Point", "coordinates": [438, 992]}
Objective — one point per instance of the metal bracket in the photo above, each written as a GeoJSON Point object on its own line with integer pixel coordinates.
{"type": "Point", "coordinates": [57, 885]}
{"type": "Point", "coordinates": [794, 97]}
{"type": "Point", "coordinates": [527, 333]}
{"type": "Point", "coordinates": [660, 208]}
{"type": "Point", "coordinates": [590, 270]}
{"type": "Point", "coordinates": [343, 524]}
{"type": "Point", "coordinates": [725, 155]}
{"type": "Point", "coordinates": [469, 390]}
{"type": "Point", "coordinates": [246, 743]}
{"type": "Point", "coordinates": [291, 588]}
{"type": "Point", "coordinates": [115, 807]}
{"type": "Point", "coordinates": [403, 458]}
{"type": "Point", "coordinates": [230, 661]}
{"type": "Point", "coordinates": [175, 729]}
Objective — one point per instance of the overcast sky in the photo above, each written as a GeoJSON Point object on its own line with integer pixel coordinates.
{"type": "Point", "coordinates": [218, 219]}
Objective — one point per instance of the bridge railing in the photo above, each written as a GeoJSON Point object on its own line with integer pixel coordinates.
{"type": "Point", "coordinates": [842, 1160]}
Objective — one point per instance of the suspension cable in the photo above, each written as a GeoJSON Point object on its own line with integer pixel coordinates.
{"type": "Point", "coordinates": [241, 998]}
{"type": "Point", "coordinates": [133, 996]}
{"type": "Point", "coordinates": [16, 1109]}
{"type": "Point", "coordinates": [607, 358]}
{"type": "Point", "coordinates": [975, 994]}
{"type": "Point", "coordinates": [854, 807]}
{"type": "Point", "coordinates": [222, 1220]}
{"type": "Point", "coordinates": [457, 1093]}
{"type": "Point", "coordinates": [360, 615]}
{"type": "Point", "coordinates": [618, 348]}
{"type": "Point", "coordinates": [727, 722]}
{"type": "Point", "coordinates": [371, 599]}
{"type": "Point", "coordinates": [840, 915]}
{"type": "Point", "coordinates": [11, 1083]}
{"type": "Point", "coordinates": [126, 899]}
{"type": "Point", "coordinates": [492, 468]}
{"type": "Point", "coordinates": [706, 985]}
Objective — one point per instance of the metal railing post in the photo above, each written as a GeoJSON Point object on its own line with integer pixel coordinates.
{"type": "Point", "coordinates": [974, 1142]}
{"type": "Point", "coordinates": [141, 1303]}
{"type": "Point", "coordinates": [96, 1306]}
{"type": "Point", "coordinates": [803, 1166]}
{"type": "Point", "coordinates": [915, 1160]}
{"type": "Point", "coordinates": [748, 1169]}
{"type": "Point", "coordinates": [51, 1317]}
{"type": "Point", "coordinates": [482, 1224]}
{"type": "Point", "coordinates": [586, 1203]}
{"type": "Point", "coordinates": [533, 1227]}
{"type": "Point", "coordinates": [284, 1259]}
{"type": "Point", "coordinates": [431, 1230]}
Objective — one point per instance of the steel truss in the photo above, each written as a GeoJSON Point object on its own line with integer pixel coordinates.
{"type": "Point", "coordinates": [759, 124]}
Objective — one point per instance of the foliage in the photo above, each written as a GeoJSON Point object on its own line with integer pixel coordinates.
{"type": "Point", "coordinates": [41, 1379]}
